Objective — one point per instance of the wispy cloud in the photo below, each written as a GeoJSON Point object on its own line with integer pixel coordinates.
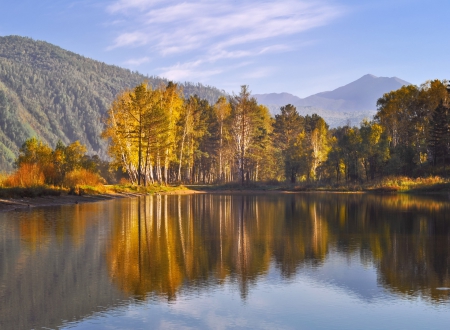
{"type": "Point", "coordinates": [259, 73]}
{"type": "Point", "coordinates": [188, 71]}
{"type": "Point", "coordinates": [135, 38]}
{"type": "Point", "coordinates": [137, 61]}
{"type": "Point", "coordinates": [206, 31]}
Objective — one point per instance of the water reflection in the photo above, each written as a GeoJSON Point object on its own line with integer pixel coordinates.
{"type": "Point", "coordinates": [52, 266]}
{"type": "Point", "coordinates": [161, 244]}
{"type": "Point", "coordinates": [64, 264]}
{"type": "Point", "coordinates": [164, 245]}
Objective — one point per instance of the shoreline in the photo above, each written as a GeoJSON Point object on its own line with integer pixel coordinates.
{"type": "Point", "coordinates": [24, 203]}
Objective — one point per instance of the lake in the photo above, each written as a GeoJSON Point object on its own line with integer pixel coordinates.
{"type": "Point", "coordinates": [218, 261]}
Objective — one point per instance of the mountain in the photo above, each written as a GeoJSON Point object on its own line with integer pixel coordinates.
{"type": "Point", "coordinates": [277, 98]}
{"type": "Point", "coordinates": [54, 94]}
{"type": "Point", "coordinates": [360, 95]}
{"type": "Point", "coordinates": [353, 102]}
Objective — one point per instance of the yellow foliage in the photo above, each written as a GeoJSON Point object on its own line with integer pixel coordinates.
{"type": "Point", "coordinates": [82, 177]}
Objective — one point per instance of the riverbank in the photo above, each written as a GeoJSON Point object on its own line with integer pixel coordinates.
{"type": "Point", "coordinates": [15, 199]}
{"type": "Point", "coordinates": [25, 198]}
{"type": "Point", "coordinates": [432, 185]}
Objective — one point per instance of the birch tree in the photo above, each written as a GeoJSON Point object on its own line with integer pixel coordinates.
{"type": "Point", "coordinates": [244, 108]}
{"type": "Point", "coordinates": [222, 109]}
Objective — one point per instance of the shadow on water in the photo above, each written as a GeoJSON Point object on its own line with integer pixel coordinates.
{"type": "Point", "coordinates": [66, 263]}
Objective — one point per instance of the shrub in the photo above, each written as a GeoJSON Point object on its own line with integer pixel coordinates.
{"type": "Point", "coordinates": [27, 175]}
{"type": "Point", "coordinates": [82, 177]}
{"type": "Point", "coordinates": [3, 177]}
{"type": "Point", "coordinates": [124, 182]}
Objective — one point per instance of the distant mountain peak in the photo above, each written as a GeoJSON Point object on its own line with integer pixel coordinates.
{"type": "Point", "coordinates": [352, 99]}
{"type": "Point", "coordinates": [368, 76]}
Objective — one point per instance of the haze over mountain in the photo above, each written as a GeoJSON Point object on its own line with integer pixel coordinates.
{"type": "Point", "coordinates": [353, 101]}
{"type": "Point", "coordinates": [54, 94]}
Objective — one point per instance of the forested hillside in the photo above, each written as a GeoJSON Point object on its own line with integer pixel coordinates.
{"type": "Point", "coordinates": [54, 94]}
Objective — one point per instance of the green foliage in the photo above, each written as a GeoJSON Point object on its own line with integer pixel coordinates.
{"type": "Point", "coordinates": [287, 126]}
{"type": "Point", "coordinates": [439, 135]}
{"type": "Point", "coordinates": [55, 94]}
{"type": "Point", "coordinates": [407, 117]}
{"type": "Point", "coordinates": [165, 132]}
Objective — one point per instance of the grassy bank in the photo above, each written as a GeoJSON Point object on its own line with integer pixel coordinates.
{"type": "Point", "coordinates": [384, 185]}
{"type": "Point", "coordinates": [79, 190]}
{"type": "Point", "coordinates": [428, 185]}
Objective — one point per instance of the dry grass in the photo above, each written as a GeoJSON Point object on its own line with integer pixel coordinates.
{"type": "Point", "coordinates": [402, 183]}
{"type": "Point", "coordinates": [149, 189]}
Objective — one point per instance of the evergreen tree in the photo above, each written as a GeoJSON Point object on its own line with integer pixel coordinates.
{"type": "Point", "coordinates": [287, 127]}
{"type": "Point", "coordinates": [439, 141]}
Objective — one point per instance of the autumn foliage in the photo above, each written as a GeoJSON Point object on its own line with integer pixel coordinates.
{"type": "Point", "coordinates": [28, 175]}
{"type": "Point", "coordinates": [82, 177]}
{"type": "Point", "coordinates": [65, 166]}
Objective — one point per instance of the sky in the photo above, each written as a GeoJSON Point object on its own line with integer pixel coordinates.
{"type": "Point", "coordinates": [299, 47]}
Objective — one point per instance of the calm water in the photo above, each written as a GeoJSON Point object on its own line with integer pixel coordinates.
{"type": "Point", "coordinates": [297, 261]}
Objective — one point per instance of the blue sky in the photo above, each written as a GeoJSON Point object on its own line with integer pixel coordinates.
{"type": "Point", "coordinates": [300, 47]}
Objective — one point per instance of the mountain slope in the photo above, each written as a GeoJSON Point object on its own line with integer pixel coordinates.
{"type": "Point", "coordinates": [54, 94]}
{"type": "Point", "coordinates": [359, 95]}
{"type": "Point", "coordinates": [354, 101]}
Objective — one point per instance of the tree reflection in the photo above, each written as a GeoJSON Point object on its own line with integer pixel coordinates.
{"type": "Point", "coordinates": [166, 244]}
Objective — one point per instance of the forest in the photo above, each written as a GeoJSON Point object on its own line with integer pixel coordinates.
{"type": "Point", "coordinates": [159, 136]}
{"type": "Point", "coordinates": [156, 135]}
{"type": "Point", "coordinates": [54, 94]}
{"type": "Point", "coordinates": [166, 133]}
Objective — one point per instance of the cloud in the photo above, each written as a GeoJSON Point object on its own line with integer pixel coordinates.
{"type": "Point", "coordinates": [122, 5]}
{"type": "Point", "coordinates": [137, 61]}
{"type": "Point", "coordinates": [205, 31]}
{"type": "Point", "coordinates": [258, 73]}
{"type": "Point", "coordinates": [188, 71]}
{"type": "Point", "coordinates": [130, 39]}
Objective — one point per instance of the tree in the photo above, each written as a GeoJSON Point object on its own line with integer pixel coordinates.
{"type": "Point", "coordinates": [140, 125]}
{"type": "Point", "coordinates": [405, 115]}
{"type": "Point", "coordinates": [260, 159]}
{"type": "Point", "coordinates": [318, 145]}
{"type": "Point", "coordinates": [245, 121]}
{"type": "Point", "coordinates": [439, 141]}
{"type": "Point", "coordinates": [34, 151]}
{"type": "Point", "coordinates": [287, 127]}
{"type": "Point", "coordinates": [187, 125]}
{"type": "Point", "coordinates": [66, 159]}
{"type": "Point", "coordinates": [349, 143]}
{"type": "Point", "coordinates": [172, 103]}
{"type": "Point", "coordinates": [222, 109]}
{"type": "Point", "coordinates": [374, 148]}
